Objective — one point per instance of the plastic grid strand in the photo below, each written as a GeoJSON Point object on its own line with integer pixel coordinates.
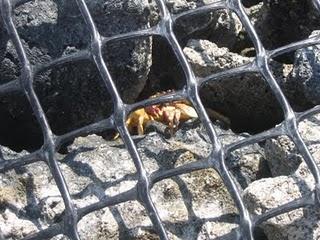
{"type": "Point", "coordinates": [216, 160]}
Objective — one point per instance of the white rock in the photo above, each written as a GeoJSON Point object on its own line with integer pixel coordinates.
{"type": "Point", "coordinates": [269, 193]}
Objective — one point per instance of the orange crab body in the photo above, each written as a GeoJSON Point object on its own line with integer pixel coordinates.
{"type": "Point", "coordinates": [137, 120]}
{"type": "Point", "coordinates": [170, 114]}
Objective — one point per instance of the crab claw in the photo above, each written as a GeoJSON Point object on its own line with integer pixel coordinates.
{"type": "Point", "coordinates": [187, 111]}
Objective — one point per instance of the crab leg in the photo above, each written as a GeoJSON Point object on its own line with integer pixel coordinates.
{"type": "Point", "coordinates": [140, 124]}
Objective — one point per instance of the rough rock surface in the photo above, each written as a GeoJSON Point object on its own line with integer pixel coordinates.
{"type": "Point", "coordinates": [193, 206]}
{"type": "Point", "coordinates": [220, 26]}
{"type": "Point", "coordinates": [283, 22]}
{"type": "Point", "coordinates": [246, 99]}
{"type": "Point", "coordinates": [73, 94]}
{"type": "Point", "coordinates": [282, 156]}
{"type": "Point", "coordinates": [304, 78]}
{"type": "Point", "coordinates": [268, 193]}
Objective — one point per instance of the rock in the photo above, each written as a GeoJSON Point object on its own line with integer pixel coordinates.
{"type": "Point", "coordinates": [247, 164]}
{"type": "Point", "coordinates": [193, 206]}
{"type": "Point", "coordinates": [282, 156]}
{"type": "Point", "coordinates": [282, 22]}
{"type": "Point", "coordinates": [206, 57]}
{"type": "Point", "coordinates": [255, 12]}
{"type": "Point", "coordinates": [266, 194]}
{"type": "Point", "coordinates": [183, 5]}
{"type": "Point", "coordinates": [7, 153]}
{"type": "Point", "coordinates": [213, 230]}
{"type": "Point", "coordinates": [281, 153]}
{"type": "Point", "coordinates": [73, 94]}
{"type": "Point", "coordinates": [269, 193]}
{"type": "Point", "coordinates": [225, 29]}
{"type": "Point", "coordinates": [220, 26]}
{"type": "Point", "coordinates": [250, 113]}
{"type": "Point", "coordinates": [304, 78]}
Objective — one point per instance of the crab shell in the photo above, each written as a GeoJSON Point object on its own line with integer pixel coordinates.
{"type": "Point", "coordinates": [170, 114]}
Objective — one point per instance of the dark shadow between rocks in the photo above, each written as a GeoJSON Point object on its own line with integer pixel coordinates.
{"type": "Point", "coordinates": [245, 100]}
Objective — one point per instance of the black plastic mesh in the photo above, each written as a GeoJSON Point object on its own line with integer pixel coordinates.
{"type": "Point", "coordinates": [216, 160]}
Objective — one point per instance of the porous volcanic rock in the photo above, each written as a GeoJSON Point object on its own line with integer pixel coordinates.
{"type": "Point", "coordinates": [269, 193]}
{"type": "Point", "coordinates": [282, 22]}
{"type": "Point", "coordinates": [245, 99]}
{"type": "Point", "coordinates": [194, 205]}
{"type": "Point", "coordinates": [304, 77]}
{"type": "Point", "coordinates": [282, 156]}
{"type": "Point", "coordinates": [220, 26]}
{"type": "Point", "coordinates": [72, 94]}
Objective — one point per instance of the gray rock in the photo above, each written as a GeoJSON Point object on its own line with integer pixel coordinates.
{"type": "Point", "coordinates": [225, 29]}
{"type": "Point", "coordinates": [255, 12]}
{"type": "Point", "coordinates": [265, 194]}
{"type": "Point", "coordinates": [207, 58]}
{"type": "Point", "coordinates": [282, 22]}
{"type": "Point", "coordinates": [304, 78]}
{"type": "Point", "coordinates": [245, 99]}
{"type": "Point", "coordinates": [281, 153]}
{"type": "Point", "coordinates": [7, 153]}
{"type": "Point", "coordinates": [73, 94]}
{"type": "Point", "coordinates": [220, 26]}
{"type": "Point", "coordinates": [183, 5]}
{"type": "Point", "coordinates": [193, 206]}
{"type": "Point", "coordinates": [282, 156]}
{"type": "Point", "coordinates": [269, 193]}
{"type": "Point", "coordinates": [246, 164]}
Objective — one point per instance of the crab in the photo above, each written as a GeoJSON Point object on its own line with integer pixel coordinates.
{"type": "Point", "coordinates": [171, 114]}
